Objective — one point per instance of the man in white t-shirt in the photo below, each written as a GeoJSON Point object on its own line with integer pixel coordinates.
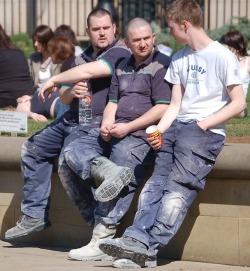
{"type": "Point", "coordinates": [206, 94]}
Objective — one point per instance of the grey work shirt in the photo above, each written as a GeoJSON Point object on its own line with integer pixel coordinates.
{"type": "Point", "coordinates": [138, 89]}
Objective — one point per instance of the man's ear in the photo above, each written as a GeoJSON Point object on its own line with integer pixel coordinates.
{"type": "Point", "coordinates": [154, 38]}
{"type": "Point", "coordinates": [185, 25]}
{"type": "Point", "coordinates": [126, 42]}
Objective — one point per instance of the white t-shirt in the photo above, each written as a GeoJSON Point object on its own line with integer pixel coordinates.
{"type": "Point", "coordinates": [44, 75]}
{"type": "Point", "coordinates": [205, 75]}
{"type": "Point", "coordinates": [245, 76]}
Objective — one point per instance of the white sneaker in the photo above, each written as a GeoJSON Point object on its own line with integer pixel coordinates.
{"type": "Point", "coordinates": [89, 252]}
{"type": "Point", "coordinates": [129, 264]}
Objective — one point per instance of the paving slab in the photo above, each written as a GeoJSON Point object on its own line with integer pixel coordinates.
{"type": "Point", "coordinates": [30, 258]}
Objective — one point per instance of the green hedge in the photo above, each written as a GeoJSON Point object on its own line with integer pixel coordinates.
{"type": "Point", "coordinates": [23, 42]}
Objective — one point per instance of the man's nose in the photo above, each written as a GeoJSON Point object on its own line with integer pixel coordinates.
{"type": "Point", "coordinates": [102, 32]}
{"type": "Point", "coordinates": [142, 42]}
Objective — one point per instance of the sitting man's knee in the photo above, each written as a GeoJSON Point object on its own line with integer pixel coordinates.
{"type": "Point", "coordinates": [78, 162]}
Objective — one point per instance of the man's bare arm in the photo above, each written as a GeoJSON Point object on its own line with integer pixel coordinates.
{"type": "Point", "coordinates": [152, 116]}
{"type": "Point", "coordinates": [67, 94]}
{"type": "Point", "coordinates": [85, 71]}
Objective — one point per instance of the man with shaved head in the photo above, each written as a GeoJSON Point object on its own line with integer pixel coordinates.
{"type": "Point", "coordinates": [137, 98]}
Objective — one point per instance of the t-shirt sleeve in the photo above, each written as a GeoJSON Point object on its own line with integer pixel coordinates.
{"type": "Point", "coordinates": [161, 93]}
{"type": "Point", "coordinates": [114, 56]}
{"type": "Point", "coordinates": [229, 70]}
{"type": "Point", "coordinates": [172, 74]}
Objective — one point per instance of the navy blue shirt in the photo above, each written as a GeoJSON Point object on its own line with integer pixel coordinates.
{"type": "Point", "coordinates": [138, 89]}
{"type": "Point", "coordinates": [116, 52]}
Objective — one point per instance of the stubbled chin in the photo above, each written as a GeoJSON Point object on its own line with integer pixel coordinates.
{"type": "Point", "coordinates": [103, 44]}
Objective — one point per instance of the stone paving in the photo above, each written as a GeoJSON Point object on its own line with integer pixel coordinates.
{"type": "Point", "coordinates": [30, 258]}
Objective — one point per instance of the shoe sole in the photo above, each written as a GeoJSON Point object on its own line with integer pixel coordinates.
{"type": "Point", "coordinates": [113, 188]}
{"type": "Point", "coordinates": [123, 252]}
{"type": "Point", "coordinates": [133, 265]}
{"type": "Point", "coordinates": [94, 258]}
{"type": "Point", "coordinates": [34, 229]}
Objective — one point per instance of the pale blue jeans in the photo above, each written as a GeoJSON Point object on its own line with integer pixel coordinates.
{"type": "Point", "coordinates": [131, 151]}
{"type": "Point", "coordinates": [182, 164]}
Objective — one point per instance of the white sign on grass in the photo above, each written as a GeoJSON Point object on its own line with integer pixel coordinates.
{"type": "Point", "coordinates": [11, 121]}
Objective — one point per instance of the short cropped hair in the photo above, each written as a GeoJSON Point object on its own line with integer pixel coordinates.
{"type": "Point", "coordinates": [99, 12]}
{"type": "Point", "coordinates": [188, 10]}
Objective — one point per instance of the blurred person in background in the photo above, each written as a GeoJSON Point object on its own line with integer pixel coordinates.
{"type": "Point", "coordinates": [235, 42]}
{"type": "Point", "coordinates": [61, 52]}
{"type": "Point", "coordinates": [15, 79]}
{"type": "Point", "coordinates": [65, 31]}
{"type": "Point", "coordinates": [40, 62]}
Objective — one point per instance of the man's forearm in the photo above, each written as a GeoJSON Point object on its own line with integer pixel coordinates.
{"type": "Point", "coordinates": [109, 114]}
{"type": "Point", "coordinates": [153, 116]}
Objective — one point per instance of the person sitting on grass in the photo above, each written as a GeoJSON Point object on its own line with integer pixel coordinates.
{"type": "Point", "coordinates": [62, 52]}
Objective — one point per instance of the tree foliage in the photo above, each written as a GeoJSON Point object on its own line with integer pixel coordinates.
{"type": "Point", "coordinates": [23, 42]}
{"type": "Point", "coordinates": [235, 23]}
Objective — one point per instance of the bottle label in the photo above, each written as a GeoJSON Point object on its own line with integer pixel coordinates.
{"type": "Point", "coordinates": [85, 110]}
{"type": "Point", "coordinates": [87, 99]}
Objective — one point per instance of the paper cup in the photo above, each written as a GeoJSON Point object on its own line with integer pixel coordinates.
{"type": "Point", "coordinates": [152, 131]}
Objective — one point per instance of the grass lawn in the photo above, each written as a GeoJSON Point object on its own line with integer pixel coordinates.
{"type": "Point", "coordinates": [240, 127]}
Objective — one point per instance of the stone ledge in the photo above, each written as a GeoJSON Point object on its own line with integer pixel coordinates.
{"type": "Point", "coordinates": [233, 161]}
{"type": "Point", "coordinates": [10, 152]}
{"type": "Point", "coordinates": [216, 229]}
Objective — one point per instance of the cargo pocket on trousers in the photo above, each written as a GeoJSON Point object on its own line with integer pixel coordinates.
{"type": "Point", "coordinates": [203, 164]}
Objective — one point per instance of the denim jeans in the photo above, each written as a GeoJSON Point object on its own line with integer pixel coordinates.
{"type": "Point", "coordinates": [37, 158]}
{"type": "Point", "coordinates": [60, 108]}
{"type": "Point", "coordinates": [182, 165]}
{"type": "Point", "coordinates": [133, 152]}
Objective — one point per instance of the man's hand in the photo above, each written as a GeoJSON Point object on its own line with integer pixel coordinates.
{"type": "Point", "coordinates": [154, 143]}
{"type": "Point", "coordinates": [49, 87]}
{"type": "Point", "coordinates": [105, 133]}
{"type": "Point", "coordinates": [38, 117]}
{"type": "Point", "coordinates": [80, 89]}
{"type": "Point", "coordinates": [120, 130]}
